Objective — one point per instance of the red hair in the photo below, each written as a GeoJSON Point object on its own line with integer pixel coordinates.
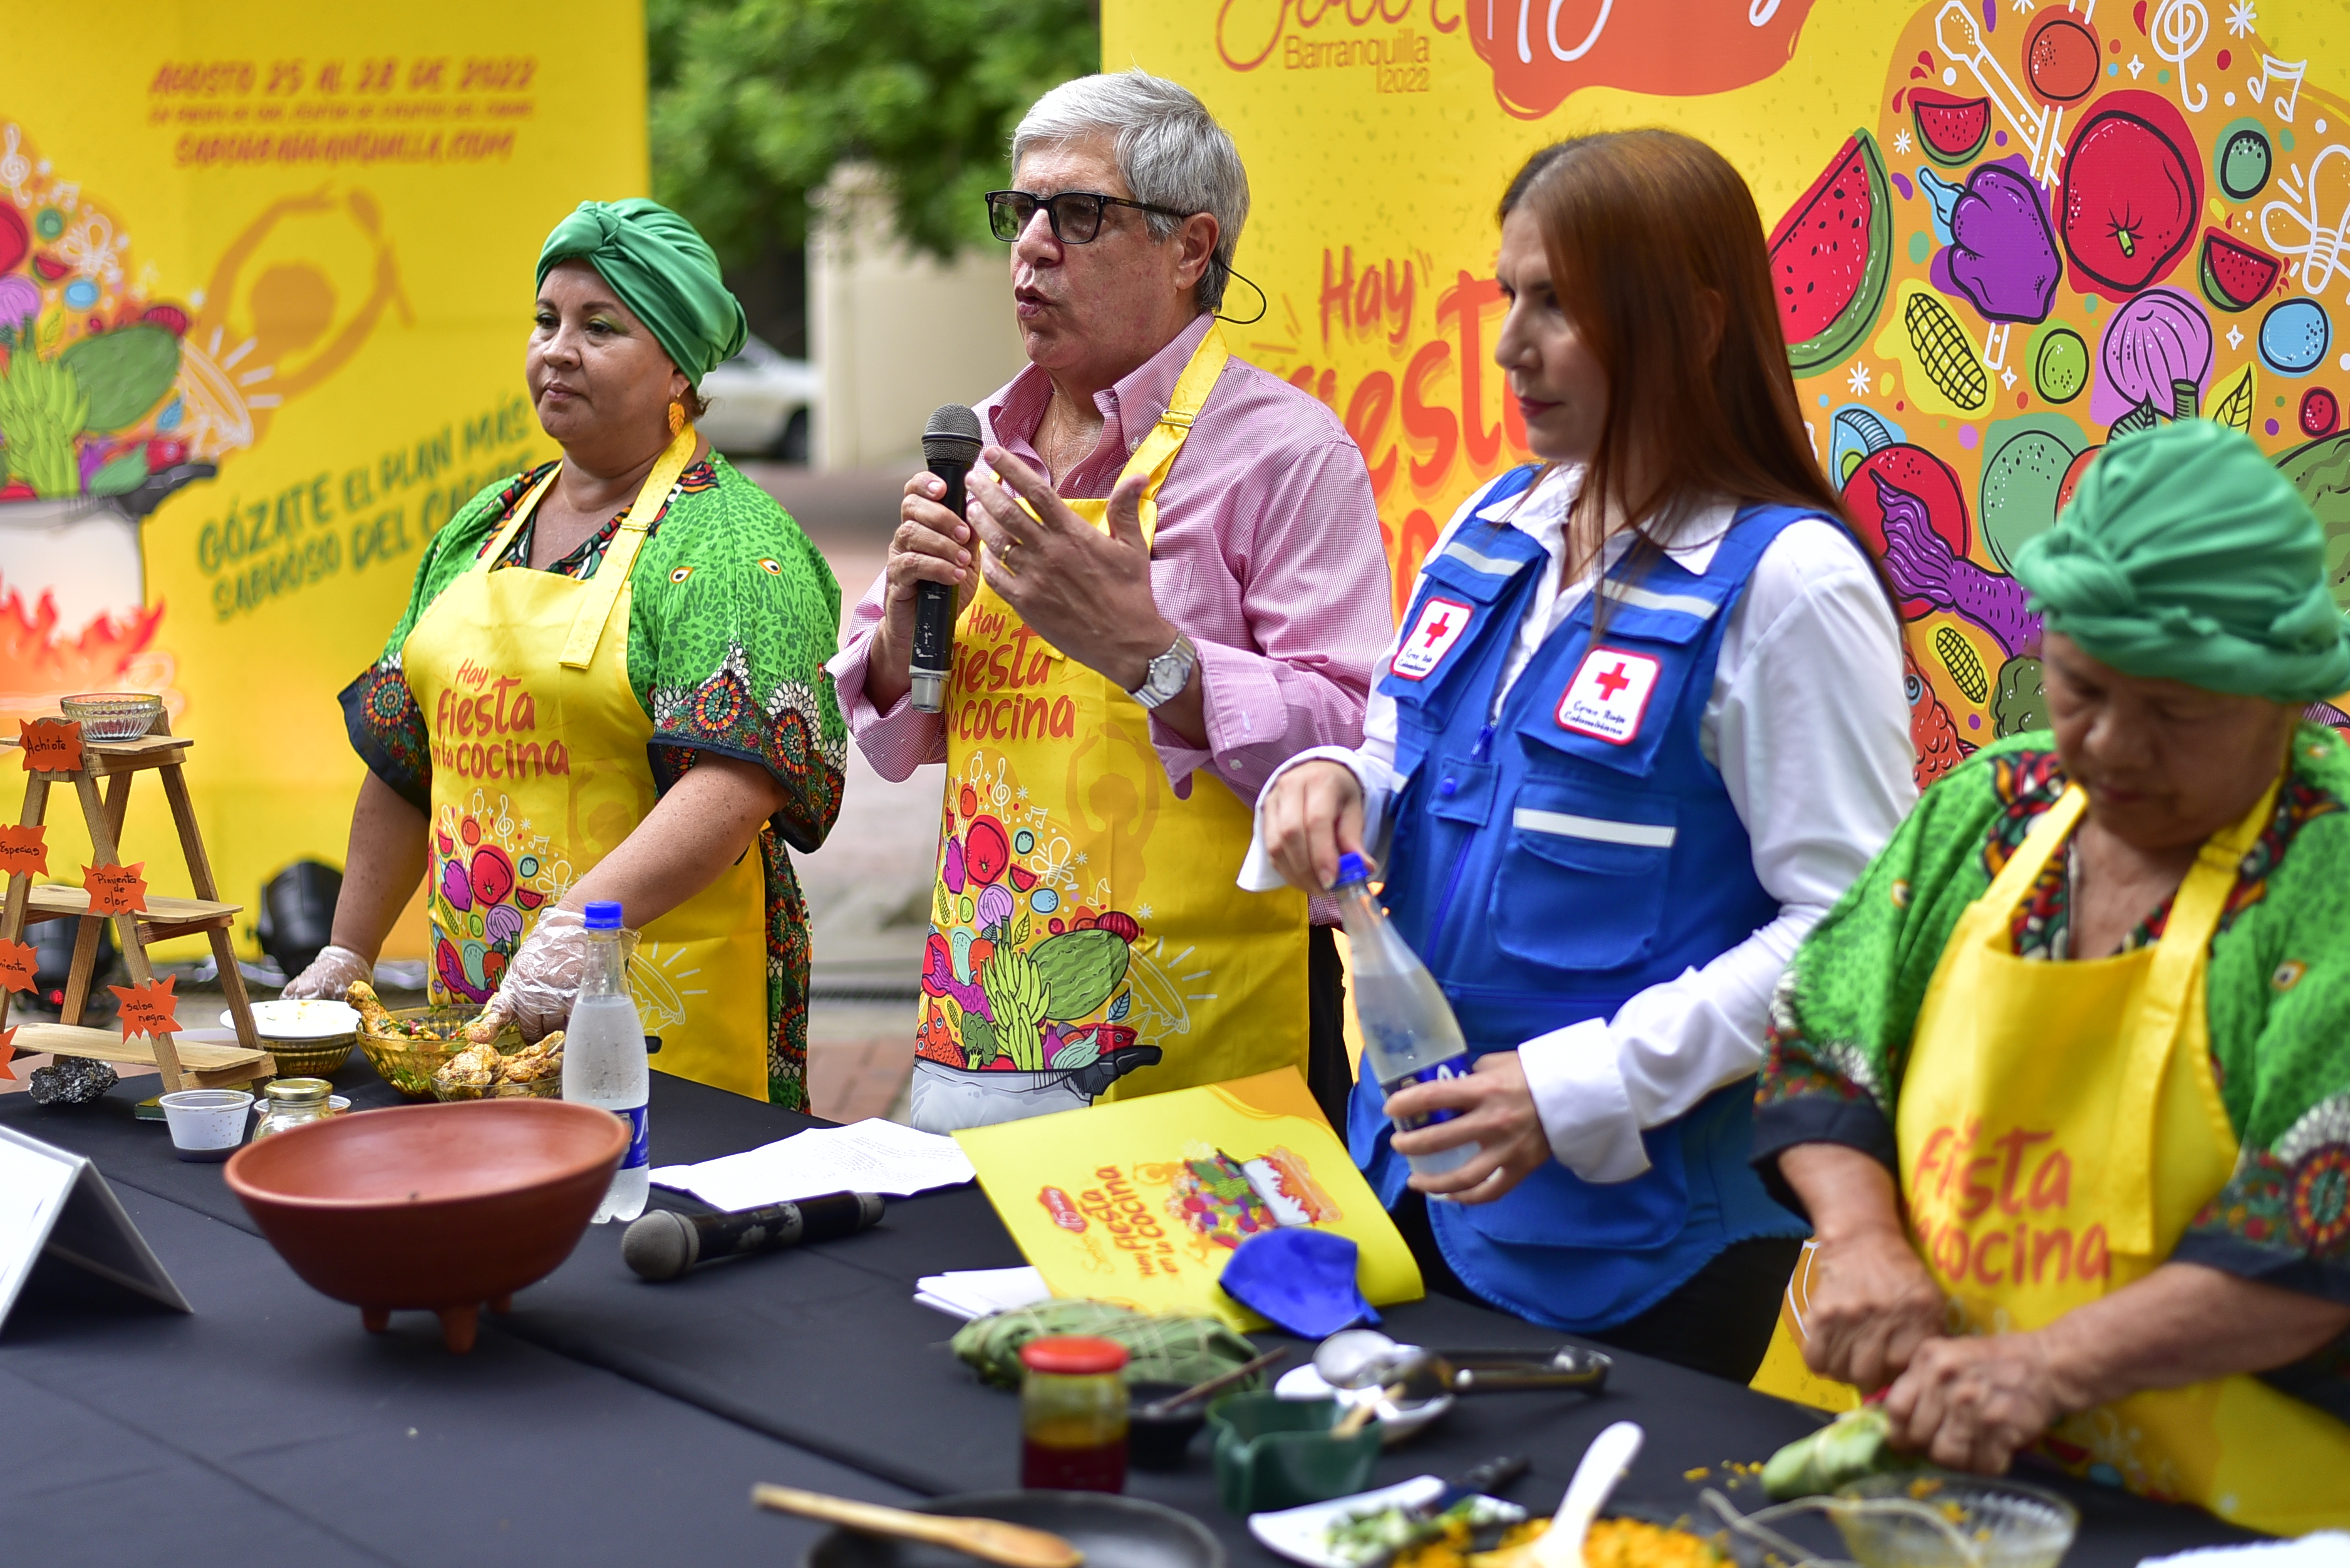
{"type": "Point", "coordinates": [1640, 227]}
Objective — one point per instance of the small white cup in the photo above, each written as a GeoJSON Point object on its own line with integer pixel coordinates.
{"type": "Point", "coordinates": [207, 1125]}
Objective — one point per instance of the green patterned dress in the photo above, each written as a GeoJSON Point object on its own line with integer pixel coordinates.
{"type": "Point", "coordinates": [732, 614]}
{"type": "Point", "coordinates": [2278, 998]}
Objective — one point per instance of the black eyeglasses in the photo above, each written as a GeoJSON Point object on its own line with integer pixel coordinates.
{"type": "Point", "coordinates": [1076, 215]}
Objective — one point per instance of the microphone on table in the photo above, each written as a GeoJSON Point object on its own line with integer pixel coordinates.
{"type": "Point", "coordinates": [950, 443]}
{"type": "Point", "coordinates": [662, 1244]}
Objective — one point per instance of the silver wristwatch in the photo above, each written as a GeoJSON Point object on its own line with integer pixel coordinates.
{"type": "Point", "coordinates": [1169, 673]}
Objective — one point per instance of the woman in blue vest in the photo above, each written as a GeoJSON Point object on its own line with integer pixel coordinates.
{"type": "Point", "coordinates": [1606, 821]}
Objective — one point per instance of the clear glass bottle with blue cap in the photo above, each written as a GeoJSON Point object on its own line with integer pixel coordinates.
{"type": "Point", "coordinates": [604, 1054]}
{"type": "Point", "coordinates": [1410, 1035]}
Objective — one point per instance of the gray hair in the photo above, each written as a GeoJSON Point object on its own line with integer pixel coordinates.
{"type": "Point", "coordinates": [1170, 153]}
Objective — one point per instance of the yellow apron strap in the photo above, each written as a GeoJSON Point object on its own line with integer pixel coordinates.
{"type": "Point", "coordinates": [612, 572]}
{"type": "Point", "coordinates": [523, 509]}
{"type": "Point", "coordinates": [2179, 958]}
{"type": "Point", "coordinates": [1155, 454]}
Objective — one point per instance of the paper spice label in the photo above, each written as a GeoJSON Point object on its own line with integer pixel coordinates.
{"type": "Point", "coordinates": [149, 1009]}
{"type": "Point", "coordinates": [7, 1051]}
{"type": "Point", "coordinates": [51, 745]}
{"type": "Point", "coordinates": [16, 963]}
{"type": "Point", "coordinates": [25, 851]}
{"type": "Point", "coordinates": [116, 889]}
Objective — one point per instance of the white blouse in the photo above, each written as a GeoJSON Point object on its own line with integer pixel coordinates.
{"type": "Point", "coordinates": [1810, 727]}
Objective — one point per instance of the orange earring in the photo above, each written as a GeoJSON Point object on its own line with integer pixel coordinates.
{"type": "Point", "coordinates": [676, 419]}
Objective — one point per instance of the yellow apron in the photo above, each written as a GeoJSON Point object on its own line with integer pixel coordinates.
{"type": "Point", "coordinates": [539, 770]}
{"type": "Point", "coordinates": [1080, 908]}
{"type": "Point", "coordinates": [2059, 1126]}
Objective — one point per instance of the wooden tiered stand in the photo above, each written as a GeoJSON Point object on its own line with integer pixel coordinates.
{"type": "Point", "coordinates": [184, 1065]}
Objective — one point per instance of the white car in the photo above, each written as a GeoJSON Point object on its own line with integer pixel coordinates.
{"type": "Point", "coordinates": [760, 403]}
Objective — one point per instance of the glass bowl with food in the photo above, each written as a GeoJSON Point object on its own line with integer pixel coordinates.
{"type": "Point", "coordinates": [487, 1072]}
{"type": "Point", "coordinates": [1930, 1520]}
{"type": "Point", "coordinates": [408, 1045]}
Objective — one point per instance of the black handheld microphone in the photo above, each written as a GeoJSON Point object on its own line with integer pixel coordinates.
{"type": "Point", "coordinates": [662, 1244]}
{"type": "Point", "coordinates": [951, 444]}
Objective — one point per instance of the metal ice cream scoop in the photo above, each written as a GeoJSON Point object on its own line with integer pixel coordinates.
{"type": "Point", "coordinates": [1365, 1358]}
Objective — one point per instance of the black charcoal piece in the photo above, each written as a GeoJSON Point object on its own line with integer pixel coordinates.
{"type": "Point", "coordinates": [70, 1081]}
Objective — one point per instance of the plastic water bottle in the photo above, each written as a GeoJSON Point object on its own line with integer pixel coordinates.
{"type": "Point", "coordinates": [604, 1056]}
{"type": "Point", "coordinates": [1410, 1035]}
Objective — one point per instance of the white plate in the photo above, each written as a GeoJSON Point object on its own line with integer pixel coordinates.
{"type": "Point", "coordinates": [1303, 1534]}
{"type": "Point", "coordinates": [284, 1020]}
{"type": "Point", "coordinates": [1396, 1422]}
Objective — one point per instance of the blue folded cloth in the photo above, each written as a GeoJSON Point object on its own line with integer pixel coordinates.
{"type": "Point", "coordinates": [1303, 1280]}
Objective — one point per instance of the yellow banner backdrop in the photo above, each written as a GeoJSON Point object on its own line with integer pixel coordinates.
{"type": "Point", "coordinates": [2001, 229]}
{"type": "Point", "coordinates": [265, 282]}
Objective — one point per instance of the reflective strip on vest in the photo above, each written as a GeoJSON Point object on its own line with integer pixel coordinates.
{"type": "Point", "coordinates": [1638, 597]}
{"type": "Point", "coordinates": [1644, 835]}
{"type": "Point", "coordinates": [1493, 566]}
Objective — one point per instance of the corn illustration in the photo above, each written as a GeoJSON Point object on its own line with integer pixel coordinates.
{"type": "Point", "coordinates": [1016, 995]}
{"type": "Point", "coordinates": [1944, 353]}
{"type": "Point", "coordinates": [1957, 656]}
{"type": "Point", "coordinates": [42, 408]}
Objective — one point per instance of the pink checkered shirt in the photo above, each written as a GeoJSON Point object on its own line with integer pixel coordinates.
{"type": "Point", "coordinates": [1267, 554]}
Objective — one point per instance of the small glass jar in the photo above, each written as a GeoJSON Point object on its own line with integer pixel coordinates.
{"type": "Point", "coordinates": [290, 1102]}
{"type": "Point", "coordinates": [1073, 1415]}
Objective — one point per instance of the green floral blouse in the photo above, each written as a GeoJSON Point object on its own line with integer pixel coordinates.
{"type": "Point", "coordinates": [2278, 992]}
{"type": "Point", "coordinates": [732, 616]}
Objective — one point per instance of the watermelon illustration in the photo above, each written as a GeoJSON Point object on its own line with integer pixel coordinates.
{"type": "Point", "coordinates": [1832, 255]}
{"type": "Point", "coordinates": [2234, 275]}
{"type": "Point", "coordinates": [1952, 129]}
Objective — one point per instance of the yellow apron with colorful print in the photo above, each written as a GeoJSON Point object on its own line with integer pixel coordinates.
{"type": "Point", "coordinates": [2059, 1126]}
{"type": "Point", "coordinates": [539, 770]}
{"type": "Point", "coordinates": [1081, 907]}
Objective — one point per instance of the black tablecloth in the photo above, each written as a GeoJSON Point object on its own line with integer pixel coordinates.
{"type": "Point", "coordinates": [822, 1348]}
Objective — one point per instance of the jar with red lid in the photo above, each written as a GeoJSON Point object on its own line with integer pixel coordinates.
{"type": "Point", "coordinates": [1073, 1415]}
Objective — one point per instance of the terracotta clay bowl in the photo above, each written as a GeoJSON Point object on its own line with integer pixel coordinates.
{"type": "Point", "coordinates": [438, 1207]}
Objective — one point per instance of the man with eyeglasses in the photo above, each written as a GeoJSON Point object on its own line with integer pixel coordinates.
{"type": "Point", "coordinates": [1170, 580]}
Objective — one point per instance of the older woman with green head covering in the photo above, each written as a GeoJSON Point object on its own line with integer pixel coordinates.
{"type": "Point", "coordinates": [2064, 1081]}
{"type": "Point", "coordinates": [608, 686]}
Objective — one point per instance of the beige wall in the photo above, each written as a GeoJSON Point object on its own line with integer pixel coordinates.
{"type": "Point", "coordinates": [894, 335]}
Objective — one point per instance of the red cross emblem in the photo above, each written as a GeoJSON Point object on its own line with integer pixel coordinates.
{"type": "Point", "coordinates": [1441, 623]}
{"type": "Point", "coordinates": [1609, 695]}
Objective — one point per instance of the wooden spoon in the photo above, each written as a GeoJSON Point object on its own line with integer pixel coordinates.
{"type": "Point", "coordinates": [1012, 1545]}
{"type": "Point", "coordinates": [1355, 1419]}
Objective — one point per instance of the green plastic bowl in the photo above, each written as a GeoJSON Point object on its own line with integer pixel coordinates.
{"type": "Point", "coordinates": [1275, 1453]}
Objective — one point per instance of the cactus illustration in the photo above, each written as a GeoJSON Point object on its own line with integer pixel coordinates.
{"type": "Point", "coordinates": [1017, 996]}
{"type": "Point", "coordinates": [42, 408]}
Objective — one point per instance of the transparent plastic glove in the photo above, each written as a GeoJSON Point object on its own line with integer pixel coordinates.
{"type": "Point", "coordinates": [329, 975]}
{"type": "Point", "coordinates": [537, 991]}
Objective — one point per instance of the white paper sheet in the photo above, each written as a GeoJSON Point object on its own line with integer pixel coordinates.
{"type": "Point", "coordinates": [2325, 1548]}
{"type": "Point", "coordinates": [870, 1156]}
{"type": "Point", "coordinates": [975, 1292]}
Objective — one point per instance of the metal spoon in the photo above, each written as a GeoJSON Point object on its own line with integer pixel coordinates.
{"type": "Point", "coordinates": [1604, 1464]}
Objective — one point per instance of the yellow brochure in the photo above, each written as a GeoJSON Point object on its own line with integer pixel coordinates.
{"type": "Point", "coordinates": [1141, 1201]}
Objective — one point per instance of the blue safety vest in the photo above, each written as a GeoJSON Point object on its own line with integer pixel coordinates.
{"type": "Point", "coordinates": [1552, 861]}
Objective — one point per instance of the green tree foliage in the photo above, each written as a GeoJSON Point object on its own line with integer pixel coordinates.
{"type": "Point", "coordinates": [755, 102]}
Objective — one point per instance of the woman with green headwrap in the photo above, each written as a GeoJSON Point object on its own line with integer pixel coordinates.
{"type": "Point", "coordinates": [2064, 1081]}
{"type": "Point", "coordinates": [608, 685]}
